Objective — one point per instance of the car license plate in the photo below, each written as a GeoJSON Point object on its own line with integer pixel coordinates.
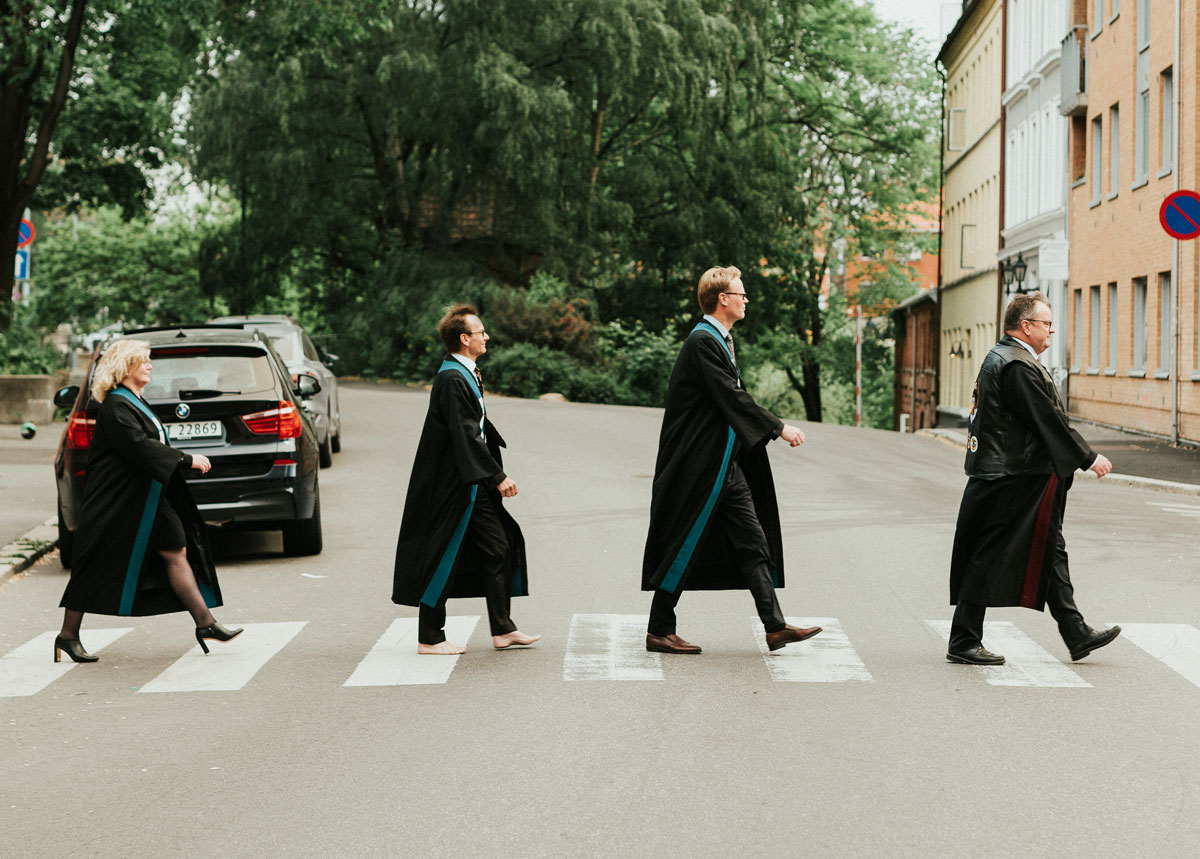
{"type": "Point", "coordinates": [194, 430]}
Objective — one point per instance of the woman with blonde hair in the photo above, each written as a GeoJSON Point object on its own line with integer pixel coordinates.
{"type": "Point", "coordinates": [140, 545]}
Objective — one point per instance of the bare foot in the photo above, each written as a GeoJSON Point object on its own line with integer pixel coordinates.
{"type": "Point", "coordinates": [443, 649]}
{"type": "Point", "coordinates": [500, 642]}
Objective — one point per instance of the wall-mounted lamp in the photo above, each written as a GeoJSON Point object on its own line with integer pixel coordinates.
{"type": "Point", "coordinates": [1013, 274]}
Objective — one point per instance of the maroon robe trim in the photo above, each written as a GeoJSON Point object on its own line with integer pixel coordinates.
{"type": "Point", "coordinates": [1037, 548]}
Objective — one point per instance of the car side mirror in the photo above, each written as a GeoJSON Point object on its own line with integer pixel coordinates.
{"type": "Point", "coordinates": [64, 398]}
{"type": "Point", "coordinates": [328, 359]}
{"type": "Point", "coordinates": [307, 386]}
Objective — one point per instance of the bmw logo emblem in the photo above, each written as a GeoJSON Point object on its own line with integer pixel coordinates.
{"type": "Point", "coordinates": [183, 410]}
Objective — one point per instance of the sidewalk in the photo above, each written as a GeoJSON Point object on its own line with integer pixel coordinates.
{"type": "Point", "coordinates": [1137, 460]}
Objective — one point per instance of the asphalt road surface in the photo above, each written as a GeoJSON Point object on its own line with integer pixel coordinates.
{"type": "Point", "coordinates": [318, 733]}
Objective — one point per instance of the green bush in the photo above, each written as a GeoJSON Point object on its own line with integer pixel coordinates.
{"type": "Point", "coordinates": [23, 352]}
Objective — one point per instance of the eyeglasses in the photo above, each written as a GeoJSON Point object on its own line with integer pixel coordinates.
{"type": "Point", "coordinates": [741, 295]}
{"type": "Point", "coordinates": [473, 333]}
{"type": "Point", "coordinates": [1047, 322]}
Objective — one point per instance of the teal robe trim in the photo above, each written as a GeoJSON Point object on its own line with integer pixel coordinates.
{"type": "Point", "coordinates": [437, 583]}
{"type": "Point", "coordinates": [452, 364]}
{"type": "Point", "coordinates": [674, 575]}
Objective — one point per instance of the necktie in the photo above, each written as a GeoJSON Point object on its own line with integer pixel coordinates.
{"type": "Point", "coordinates": [479, 379]}
{"type": "Point", "coordinates": [729, 343]}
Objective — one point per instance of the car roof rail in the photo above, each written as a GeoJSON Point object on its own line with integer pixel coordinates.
{"type": "Point", "coordinates": [181, 328]}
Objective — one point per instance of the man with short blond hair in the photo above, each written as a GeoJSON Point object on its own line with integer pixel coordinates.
{"type": "Point", "coordinates": [1021, 458]}
{"type": "Point", "coordinates": [714, 520]}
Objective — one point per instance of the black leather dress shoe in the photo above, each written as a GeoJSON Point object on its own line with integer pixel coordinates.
{"type": "Point", "coordinates": [975, 656]}
{"type": "Point", "coordinates": [1095, 639]}
{"type": "Point", "coordinates": [669, 644]}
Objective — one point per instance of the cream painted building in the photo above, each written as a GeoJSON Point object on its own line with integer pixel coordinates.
{"type": "Point", "coordinates": [971, 59]}
{"type": "Point", "coordinates": [1035, 158]}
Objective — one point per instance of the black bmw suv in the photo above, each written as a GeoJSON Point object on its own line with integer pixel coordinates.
{"type": "Point", "coordinates": [225, 393]}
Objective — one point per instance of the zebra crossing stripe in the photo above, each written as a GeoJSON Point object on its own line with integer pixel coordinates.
{"type": "Point", "coordinates": [394, 660]}
{"type": "Point", "coordinates": [609, 647]}
{"type": "Point", "coordinates": [826, 658]}
{"type": "Point", "coordinates": [30, 668]}
{"type": "Point", "coordinates": [229, 666]}
{"type": "Point", "coordinates": [1176, 645]}
{"type": "Point", "coordinates": [1028, 663]}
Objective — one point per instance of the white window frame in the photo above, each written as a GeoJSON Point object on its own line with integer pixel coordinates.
{"type": "Point", "coordinates": [1113, 328]}
{"type": "Point", "coordinates": [1094, 330]}
{"type": "Point", "coordinates": [1164, 324]}
{"type": "Point", "coordinates": [1139, 327]}
{"type": "Point", "coordinates": [1114, 151]}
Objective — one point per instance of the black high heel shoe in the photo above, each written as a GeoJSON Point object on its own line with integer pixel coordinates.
{"type": "Point", "coordinates": [216, 632]}
{"type": "Point", "coordinates": [74, 649]}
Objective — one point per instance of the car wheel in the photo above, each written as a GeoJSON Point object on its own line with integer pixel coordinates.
{"type": "Point", "coordinates": [303, 537]}
{"type": "Point", "coordinates": [336, 444]}
{"type": "Point", "coordinates": [65, 540]}
{"type": "Point", "coordinates": [325, 451]}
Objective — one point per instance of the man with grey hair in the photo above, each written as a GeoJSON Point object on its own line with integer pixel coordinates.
{"type": "Point", "coordinates": [1021, 458]}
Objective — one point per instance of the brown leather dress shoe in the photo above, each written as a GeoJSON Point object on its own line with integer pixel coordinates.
{"type": "Point", "coordinates": [789, 634]}
{"type": "Point", "coordinates": [669, 644]}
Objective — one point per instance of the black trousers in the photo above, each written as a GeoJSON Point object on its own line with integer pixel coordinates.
{"type": "Point", "coordinates": [966, 629]}
{"type": "Point", "coordinates": [735, 519]}
{"type": "Point", "coordinates": [487, 542]}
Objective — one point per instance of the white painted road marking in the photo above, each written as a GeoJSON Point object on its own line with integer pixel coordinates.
{"type": "Point", "coordinates": [609, 647]}
{"type": "Point", "coordinates": [31, 667]}
{"type": "Point", "coordinates": [230, 665]}
{"type": "Point", "coordinates": [394, 660]}
{"type": "Point", "coordinates": [1028, 663]}
{"type": "Point", "coordinates": [1189, 510]}
{"type": "Point", "coordinates": [1176, 645]}
{"type": "Point", "coordinates": [826, 658]}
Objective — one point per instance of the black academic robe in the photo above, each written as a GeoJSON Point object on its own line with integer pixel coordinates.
{"type": "Point", "coordinates": [130, 472]}
{"type": "Point", "coordinates": [458, 457]}
{"type": "Point", "coordinates": [1009, 525]}
{"type": "Point", "coordinates": [709, 422]}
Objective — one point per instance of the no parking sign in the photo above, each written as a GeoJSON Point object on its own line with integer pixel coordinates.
{"type": "Point", "coordinates": [1180, 215]}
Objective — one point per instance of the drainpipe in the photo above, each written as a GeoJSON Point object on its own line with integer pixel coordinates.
{"type": "Point", "coordinates": [1175, 290]}
{"type": "Point", "coordinates": [937, 375]}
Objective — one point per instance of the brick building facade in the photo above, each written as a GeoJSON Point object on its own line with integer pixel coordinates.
{"type": "Point", "coordinates": [1130, 320]}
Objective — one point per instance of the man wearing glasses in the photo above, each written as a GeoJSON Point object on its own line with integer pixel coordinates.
{"type": "Point", "coordinates": [714, 521]}
{"type": "Point", "coordinates": [456, 538]}
{"type": "Point", "coordinates": [1021, 459]}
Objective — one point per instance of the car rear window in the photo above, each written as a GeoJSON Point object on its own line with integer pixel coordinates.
{"type": "Point", "coordinates": [181, 372]}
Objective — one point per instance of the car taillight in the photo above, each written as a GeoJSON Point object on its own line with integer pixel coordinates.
{"type": "Point", "coordinates": [80, 430]}
{"type": "Point", "coordinates": [283, 422]}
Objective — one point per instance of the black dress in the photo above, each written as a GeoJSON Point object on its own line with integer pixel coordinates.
{"type": "Point", "coordinates": [135, 502]}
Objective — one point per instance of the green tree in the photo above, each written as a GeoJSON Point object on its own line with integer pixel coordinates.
{"type": "Point", "coordinates": [96, 268]}
{"type": "Point", "coordinates": [86, 93]}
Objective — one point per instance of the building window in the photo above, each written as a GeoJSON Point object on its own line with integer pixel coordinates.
{"type": "Point", "coordinates": [1113, 325]}
{"type": "Point", "coordinates": [1139, 325]}
{"type": "Point", "coordinates": [1143, 23]}
{"type": "Point", "coordinates": [1167, 112]}
{"type": "Point", "coordinates": [1097, 16]}
{"type": "Point", "coordinates": [956, 134]}
{"type": "Point", "coordinates": [1094, 329]}
{"type": "Point", "coordinates": [1078, 149]}
{"type": "Point", "coordinates": [1116, 9]}
{"type": "Point", "coordinates": [967, 246]}
{"type": "Point", "coordinates": [1164, 322]}
{"type": "Point", "coordinates": [1097, 158]}
{"type": "Point", "coordinates": [1141, 157]}
{"type": "Point", "coordinates": [1114, 150]}
{"type": "Point", "coordinates": [1078, 320]}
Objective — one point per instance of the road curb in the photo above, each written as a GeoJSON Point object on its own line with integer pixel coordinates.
{"type": "Point", "coordinates": [957, 438]}
{"type": "Point", "coordinates": [23, 552]}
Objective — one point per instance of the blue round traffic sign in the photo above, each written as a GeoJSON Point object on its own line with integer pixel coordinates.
{"type": "Point", "coordinates": [25, 233]}
{"type": "Point", "coordinates": [1180, 215]}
